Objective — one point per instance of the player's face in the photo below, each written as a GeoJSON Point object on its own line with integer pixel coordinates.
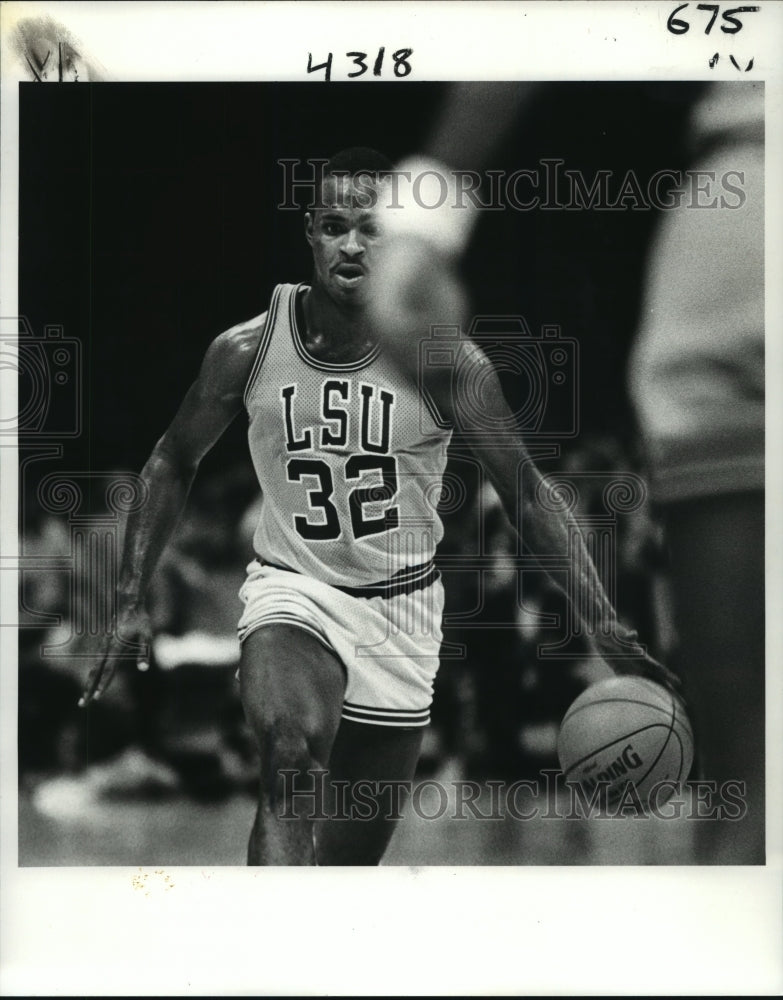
{"type": "Point", "coordinates": [344, 236]}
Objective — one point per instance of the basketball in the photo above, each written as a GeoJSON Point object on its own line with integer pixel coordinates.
{"type": "Point", "coordinates": [626, 729]}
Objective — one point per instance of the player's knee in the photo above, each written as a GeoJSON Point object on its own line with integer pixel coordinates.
{"type": "Point", "coordinates": [279, 731]}
{"type": "Point", "coordinates": [291, 770]}
{"type": "Point", "coordinates": [284, 743]}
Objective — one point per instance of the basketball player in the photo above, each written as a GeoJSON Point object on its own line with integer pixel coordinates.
{"type": "Point", "coordinates": [341, 626]}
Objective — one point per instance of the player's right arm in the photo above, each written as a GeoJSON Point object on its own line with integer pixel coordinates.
{"type": "Point", "coordinates": [209, 406]}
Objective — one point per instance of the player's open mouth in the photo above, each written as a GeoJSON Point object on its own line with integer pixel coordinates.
{"type": "Point", "coordinates": [349, 275]}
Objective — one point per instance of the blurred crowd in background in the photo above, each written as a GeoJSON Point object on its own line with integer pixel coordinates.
{"type": "Point", "coordinates": [179, 727]}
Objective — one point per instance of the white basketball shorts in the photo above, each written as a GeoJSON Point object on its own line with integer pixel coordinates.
{"type": "Point", "coordinates": [388, 641]}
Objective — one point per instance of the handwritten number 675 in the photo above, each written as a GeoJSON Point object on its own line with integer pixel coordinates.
{"type": "Point", "coordinates": [678, 27]}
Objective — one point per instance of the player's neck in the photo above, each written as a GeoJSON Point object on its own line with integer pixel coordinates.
{"type": "Point", "coordinates": [331, 328]}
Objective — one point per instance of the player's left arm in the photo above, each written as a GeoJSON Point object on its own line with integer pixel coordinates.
{"type": "Point", "coordinates": [416, 286]}
{"type": "Point", "coordinates": [543, 531]}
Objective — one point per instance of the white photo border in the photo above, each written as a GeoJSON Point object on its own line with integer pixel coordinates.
{"type": "Point", "coordinates": [484, 931]}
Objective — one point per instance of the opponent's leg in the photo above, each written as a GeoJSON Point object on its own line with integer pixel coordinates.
{"type": "Point", "coordinates": [367, 758]}
{"type": "Point", "coordinates": [292, 692]}
{"type": "Point", "coordinates": [717, 547]}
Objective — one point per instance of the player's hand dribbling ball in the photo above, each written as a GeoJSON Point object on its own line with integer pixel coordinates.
{"type": "Point", "coordinates": [627, 729]}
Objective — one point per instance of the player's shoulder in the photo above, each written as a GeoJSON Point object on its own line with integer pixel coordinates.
{"type": "Point", "coordinates": [241, 342]}
{"type": "Point", "coordinates": [230, 357]}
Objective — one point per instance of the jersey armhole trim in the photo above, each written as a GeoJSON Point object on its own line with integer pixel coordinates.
{"type": "Point", "coordinates": [442, 423]}
{"type": "Point", "coordinates": [263, 346]}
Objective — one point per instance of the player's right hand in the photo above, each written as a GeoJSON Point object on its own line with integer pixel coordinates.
{"type": "Point", "coordinates": [132, 626]}
{"type": "Point", "coordinates": [414, 288]}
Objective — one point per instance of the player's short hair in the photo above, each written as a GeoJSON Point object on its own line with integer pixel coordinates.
{"type": "Point", "coordinates": [352, 164]}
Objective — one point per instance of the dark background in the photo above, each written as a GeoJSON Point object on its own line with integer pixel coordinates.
{"type": "Point", "coordinates": [148, 225]}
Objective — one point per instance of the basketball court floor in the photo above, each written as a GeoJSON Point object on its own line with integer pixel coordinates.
{"type": "Point", "coordinates": [177, 830]}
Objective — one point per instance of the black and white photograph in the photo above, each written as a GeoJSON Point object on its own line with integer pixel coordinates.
{"type": "Point", "coordinates": [384, 477]}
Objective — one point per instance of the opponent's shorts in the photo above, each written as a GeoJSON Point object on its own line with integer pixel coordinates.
{"type": "Point", "coordinates": [388, 640]}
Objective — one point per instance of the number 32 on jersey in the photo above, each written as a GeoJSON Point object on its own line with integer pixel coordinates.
{"type": "Point", "coordinates": [373, 468]}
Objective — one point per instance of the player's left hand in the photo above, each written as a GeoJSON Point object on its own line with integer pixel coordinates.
{"type": "Point", "coordinates": [133, 626]}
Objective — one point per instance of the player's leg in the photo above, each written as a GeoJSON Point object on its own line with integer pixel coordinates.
{"type": "Point", "coordinates": [369, 762]}
{"type": "Point", "coordinates": [292, 692]}
{"type": "Point", "coordinates": [717, 554]}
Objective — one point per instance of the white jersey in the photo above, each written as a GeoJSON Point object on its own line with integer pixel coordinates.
{"type": "Point", "coordinates": [348, 456]}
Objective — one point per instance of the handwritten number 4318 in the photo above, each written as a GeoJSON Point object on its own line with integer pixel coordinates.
{"type": "Point", "coordinates": [399, 61]}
